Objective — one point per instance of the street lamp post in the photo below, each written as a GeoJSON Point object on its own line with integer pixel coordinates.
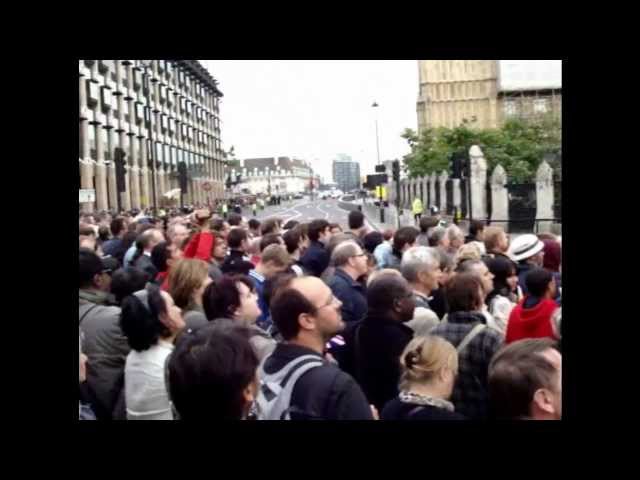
{"type": "Point", "coordinates": [375, 105]}
{"type": "Point", "coordinates": [147, 65]}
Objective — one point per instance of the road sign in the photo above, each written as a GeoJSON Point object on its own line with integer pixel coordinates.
{"type": "Point", "coordinates": [87, 195]}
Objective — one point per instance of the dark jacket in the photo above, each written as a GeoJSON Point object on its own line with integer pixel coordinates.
{"type": "Point", "coordinates": [144, 263]}
{"type": "Point", "coordinates": [372, 355]}
{"type": "Point", "coordinates": [398, 410]}
{"type": "Point", "coordinates": [351, 294]}
{"type": "Point", "coordinates": [522, 269]}
{"type": "Point", "coordinates": [438, 302]}
{"type": "Point", "coordinates": [106, 348]}
{"type": "Point", "coordinates": [115, 248]}
{"type": "Point", "coordinates": [236, 262]}
{"type": "Point", "coordinates": [470, 395]}
{"type": "Point", "coordinates": [322, 393]}
{"type": "Point", "coordinates": [315, 259]}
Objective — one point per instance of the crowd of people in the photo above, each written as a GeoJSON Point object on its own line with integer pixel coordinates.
{"type": "Point", "coordinates": [195, 315]}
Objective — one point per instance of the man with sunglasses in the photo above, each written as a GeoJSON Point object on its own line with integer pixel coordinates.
{"type": "Point", "coordinates": [297, 382]}
{"type": "Point", "coordinates": [104, 343]}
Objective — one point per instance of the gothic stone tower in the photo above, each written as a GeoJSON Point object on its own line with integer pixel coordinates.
{"type": "Point", "coordinates": [451, 90]}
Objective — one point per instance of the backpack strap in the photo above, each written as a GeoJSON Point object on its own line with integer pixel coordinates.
{"type": "Point", "coordinates": [276, 389]}
{"type": "Point", "coordinates": [470, 336]}
{"type": "Point", "coordinates": [86, 313]}
{"type": "Point", "coordinates": [289, 382]}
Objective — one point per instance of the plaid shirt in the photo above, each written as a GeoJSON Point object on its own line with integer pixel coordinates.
{"type": "Point", "coordinates": [470, 395]}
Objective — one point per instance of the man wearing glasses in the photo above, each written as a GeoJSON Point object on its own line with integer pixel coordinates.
{"type": "Point", "coordinates": [297, 382]}
{"type": "Point", "coordinates": [351, 264]}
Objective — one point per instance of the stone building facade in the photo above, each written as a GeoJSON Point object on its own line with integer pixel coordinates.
{"type": "Point", "coordinates": [184, 126]}
{"type": "Point", "coordinates": [275, 175]}
{"type": "Point", "coordinates": [453, 90]}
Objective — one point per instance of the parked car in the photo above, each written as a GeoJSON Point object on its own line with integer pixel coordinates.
{"type": "Point", "coordinates": [298, 196]}
{"type": "Point", "coordinates": [348, 198]}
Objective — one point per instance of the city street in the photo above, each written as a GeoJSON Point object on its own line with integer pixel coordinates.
{"type": "Point", "coordinates": [304, 210]}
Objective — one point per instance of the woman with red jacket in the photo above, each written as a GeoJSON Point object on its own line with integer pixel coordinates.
{"type": "Point", "coordinates": [199, 246]}
{"type": "Point", "coordinates": [531, 318]}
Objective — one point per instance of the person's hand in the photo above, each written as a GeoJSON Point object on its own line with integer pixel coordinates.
{"type": "Point", "coordinates": [374, 412]}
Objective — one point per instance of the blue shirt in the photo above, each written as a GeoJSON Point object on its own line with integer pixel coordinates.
{"type": "Point", "coordinates": [129, 255]}
{"type": "Point", "coordinates": [264, 320]}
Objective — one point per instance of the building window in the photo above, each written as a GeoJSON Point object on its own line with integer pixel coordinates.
{"type": "Point", "coordinates": [125, 111]}
{"type": "Point", "coordinates": [510, 108]}
{"type": "Point", "coordinates": [540, 105]}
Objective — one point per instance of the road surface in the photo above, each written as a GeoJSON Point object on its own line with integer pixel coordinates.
{"type": "Point", "coordinates": [304, 211]}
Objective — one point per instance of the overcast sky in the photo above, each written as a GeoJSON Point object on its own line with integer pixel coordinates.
{"type": "Point", "coordinates": [316, 109]}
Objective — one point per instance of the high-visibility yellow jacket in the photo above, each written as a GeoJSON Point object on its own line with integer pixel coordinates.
{"type": "Point", "coordinates": [417, 206]}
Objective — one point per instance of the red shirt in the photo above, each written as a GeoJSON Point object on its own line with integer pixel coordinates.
{"type": "Point", "coordinates": [530, 322]}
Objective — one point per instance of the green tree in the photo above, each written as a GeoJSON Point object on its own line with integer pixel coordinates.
{"type": "Point", "coordinates": [519, 146]}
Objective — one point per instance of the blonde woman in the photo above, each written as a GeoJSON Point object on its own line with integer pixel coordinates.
{"type": "Point", "coordinates": [187, 280]}
{"type": "Point", "coordinates": [468, 251]}
{"type": "Point", "coordinates": [429, 369]}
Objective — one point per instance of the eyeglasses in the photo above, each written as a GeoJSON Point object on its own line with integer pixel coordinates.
{"type": "Point", "coordinates": [332, 300]}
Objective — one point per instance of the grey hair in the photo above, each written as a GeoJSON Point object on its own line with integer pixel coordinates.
{"type": "Point", "coordinates": [418, 259]}
{"type": "Point", "coordinates": [468, 265]}
{"type": "Point", "coordinates": [437, 234]}
{"type": "Point", "coordinates": [343, 252]}
{"type": "Point", "coordinates": [453, 232]}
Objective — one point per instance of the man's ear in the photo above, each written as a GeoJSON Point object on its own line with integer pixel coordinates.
{"type": "Point", "coordinates": [306, 321]}
{"type": "Point", "coordinates": [543, 401]}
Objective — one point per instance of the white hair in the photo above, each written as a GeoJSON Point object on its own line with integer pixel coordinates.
{"type": "Point", "coordinates": [419, 259]}
{"type": "Point", "coordinates": [453, 232]}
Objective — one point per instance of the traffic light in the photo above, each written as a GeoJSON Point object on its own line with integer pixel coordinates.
{"type": "Point", "coordinates": [182, 176]}
{"type": "Point", "coordinates": [119, 160]}
{"type": "Point", "coordinates": [396, 170]}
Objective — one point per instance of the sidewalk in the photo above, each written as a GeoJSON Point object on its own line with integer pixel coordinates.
{"type": "Point", "coordinates": [372, 214]}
